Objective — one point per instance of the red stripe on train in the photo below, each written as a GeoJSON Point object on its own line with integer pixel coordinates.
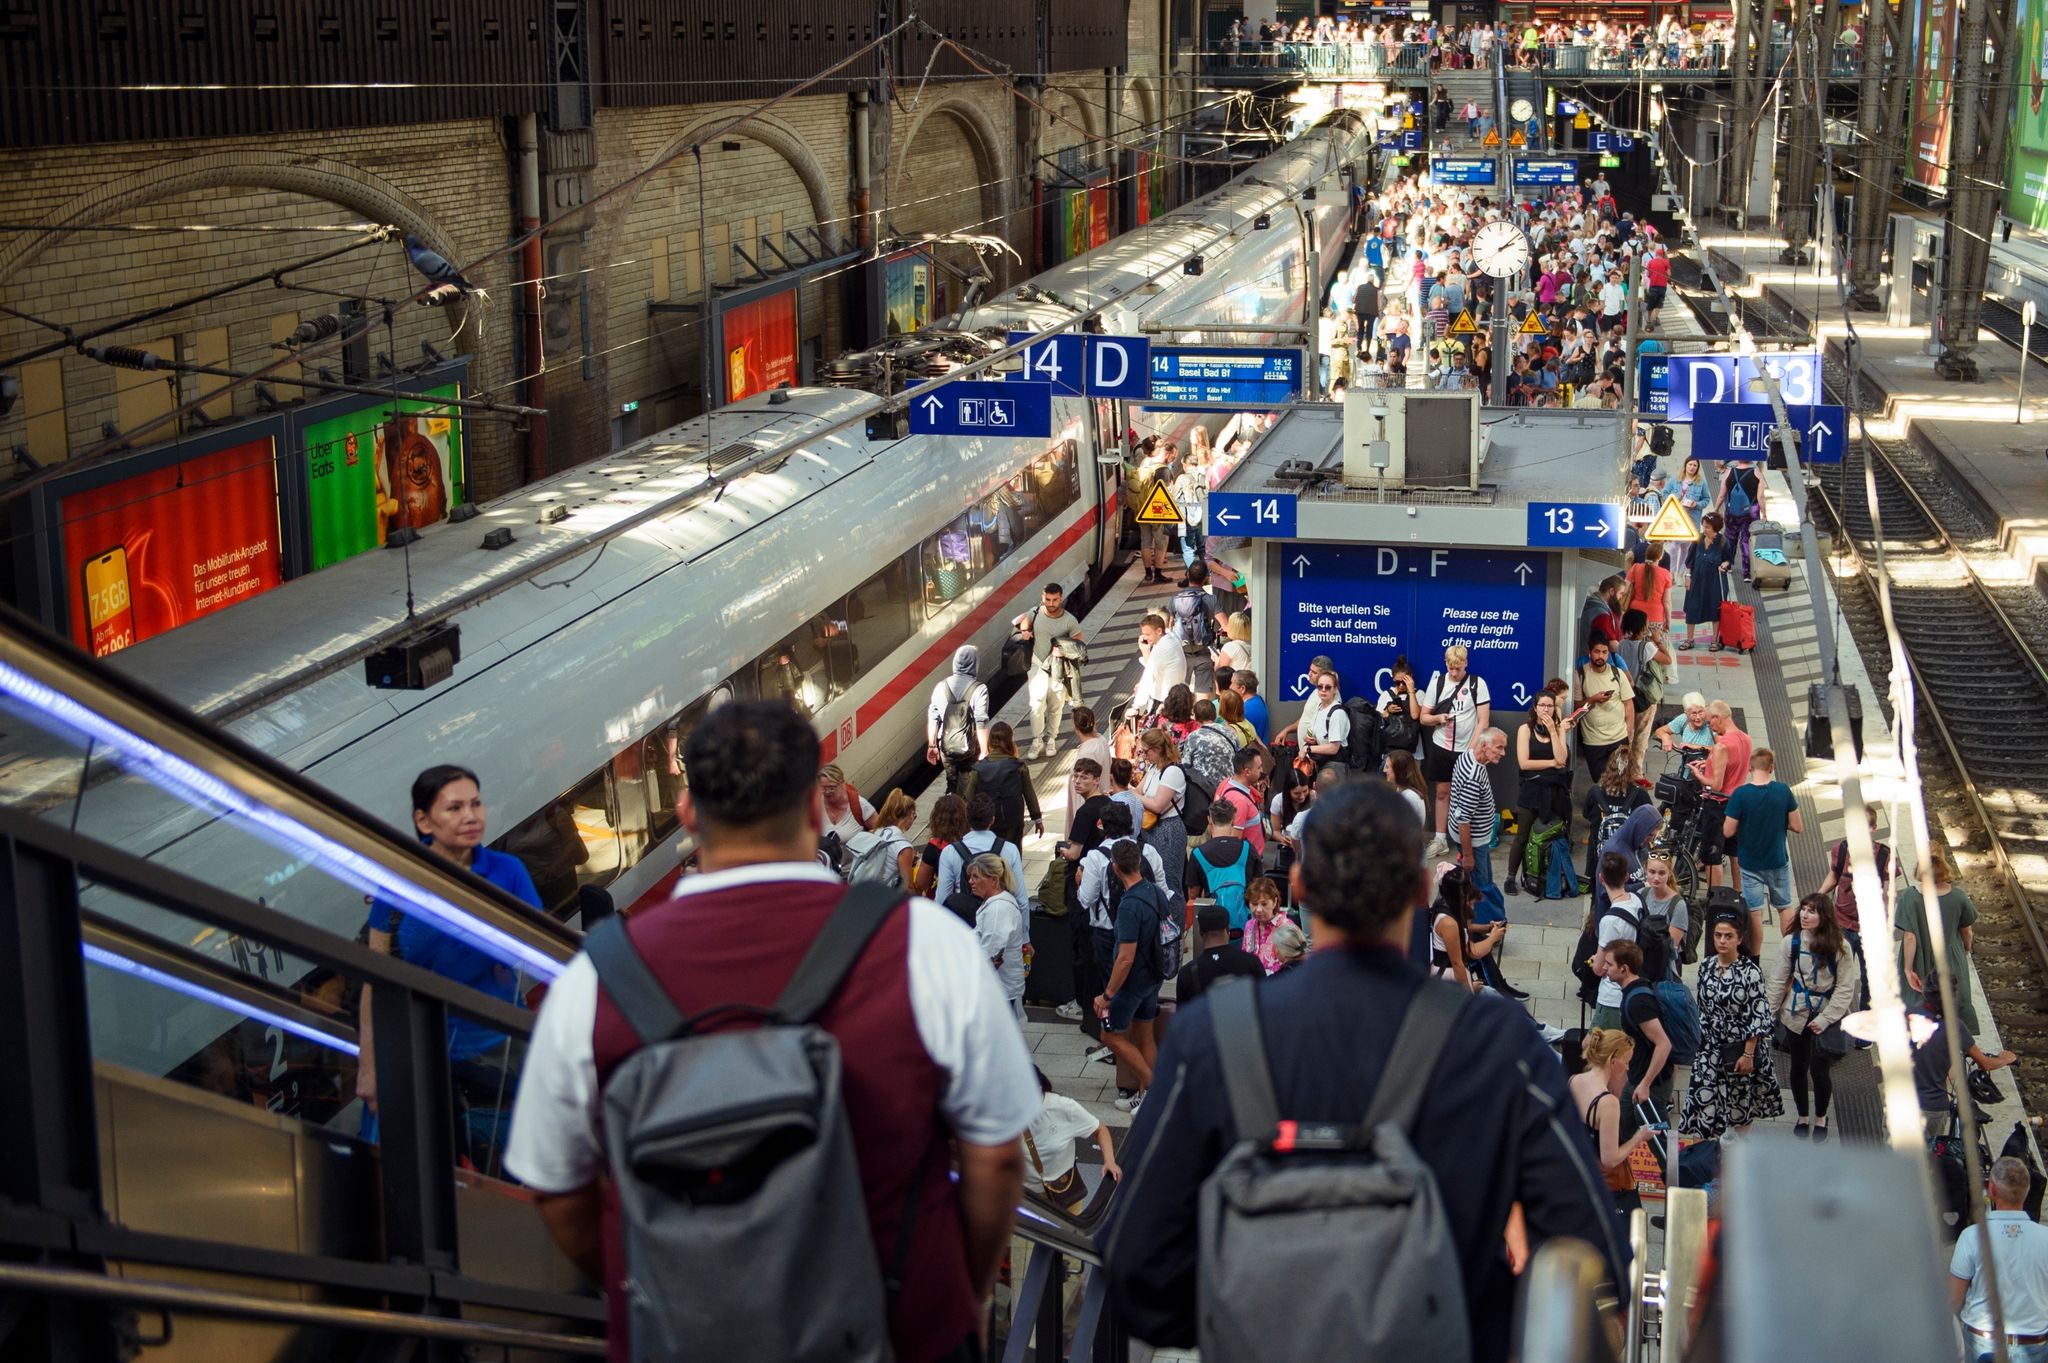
{"type": "Point", "coordinates": [940, 653]}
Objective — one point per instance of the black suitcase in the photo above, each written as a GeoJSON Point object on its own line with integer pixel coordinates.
{"type": "Point", "coordinates": [1051, 980]}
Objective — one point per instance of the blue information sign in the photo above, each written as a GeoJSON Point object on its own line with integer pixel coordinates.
{"type": "Point", "coordinates": [1742, 430]}
{"type": "Point", "coordinates": [984, 407]}
{"type": "Point", "coordinates": [1464, 170]}
{"type": "Point", "coordinates": [1097, 366]}
{"type": "Point", "coordinates": [1225, 376]}
{"type": "Point", "coordinates": [1611, 142]}
{"type": "Point", "coordinates": [1363, 605]}
{"type": "Point", "coordinates": [1252, 515]}
{"type": "Point", "coordinates": [1653, 384]}
{"type": "Point", "coordinates": [1543, 170]}
{"type": "Point", "coordinates": [1575, 525]}
{"type": "Point", "coordinates": [1692, 379]}
{"type": "Point", "coordinates": [1410, 140]}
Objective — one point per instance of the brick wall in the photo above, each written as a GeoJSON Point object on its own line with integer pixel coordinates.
{"type": "Point", "coordinates": [449, 182]}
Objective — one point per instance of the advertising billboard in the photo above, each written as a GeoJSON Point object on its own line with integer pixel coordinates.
{"type": "Point", "coordinates": [907, 292]}
{"type": "Point", "coordinates": [760, 345]}
{"type": "Point", "coordinates": [149, 553]}
{"type": "Point", "coordinates": [1927, 158]}
{"type": "Point", "coordinates": [1098, 214]}
{"type": "Point", "coordinates": [1144, 194]}
{"type": "Point", "coordinates": [2026, 180]}
{"type": "Point", "coordinates": [1076, 223]}
{"type": "Point", "coordinates": [381, 466]}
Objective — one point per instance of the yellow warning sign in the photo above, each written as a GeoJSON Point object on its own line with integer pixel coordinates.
{"type": "Point", "coordinates": [1464, 326]}
{"type": "Point", "coordinates": [1518, 138]}
{"type": "Point", "coordinates": [1492, 138]}
{"type": "Point", "coordinates": [1672, 523]}
{"type": "Point", "coordinates": [1159, 508]}
{"type": "Point", "coordinates": [1532, 325]}
{"type": "Point", "coordinates": [1582, 122]}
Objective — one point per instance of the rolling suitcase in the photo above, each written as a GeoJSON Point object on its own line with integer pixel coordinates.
{"type": "Point", "coordinates": [1763, 572]}
{"type": "Point", "coordinates": [1738, 626]}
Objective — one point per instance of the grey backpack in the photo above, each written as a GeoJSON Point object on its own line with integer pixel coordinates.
{"type": "Point", "coordinates": [1343, 1223]}
{"type": "Point", "coordinates": [740, 1196]}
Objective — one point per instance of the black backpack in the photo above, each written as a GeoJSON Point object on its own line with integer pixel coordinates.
{"type": "Point", "coordinates": [1653, 935]}
{"type": "Point", "coordinates": [1365, 749]}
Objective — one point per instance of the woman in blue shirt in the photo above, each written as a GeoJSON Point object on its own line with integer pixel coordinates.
{"type": "Point", "coordinates": [448, 813]}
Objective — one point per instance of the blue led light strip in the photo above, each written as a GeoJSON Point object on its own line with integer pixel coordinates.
{"type": "Point", "coordinates": [180, 777]}
{"type": "Point", "coordinates": [164, 979]}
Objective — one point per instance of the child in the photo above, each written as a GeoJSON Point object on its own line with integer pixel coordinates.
{"type": "Point", "coordinates": [1660, 893]}
{"type": "Point", "coordinates": [1262, 897]}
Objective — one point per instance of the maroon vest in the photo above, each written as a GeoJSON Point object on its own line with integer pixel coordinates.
{"type": "Point", "coordinates": [741, 946]}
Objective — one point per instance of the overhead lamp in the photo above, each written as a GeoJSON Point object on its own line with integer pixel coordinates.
{"type": "Point", "coordinates": [1309, 195]}
{"type": "Point", "coordinates": [1191, 266]}
{"type": "Point", "coordinates": [1262, 222]}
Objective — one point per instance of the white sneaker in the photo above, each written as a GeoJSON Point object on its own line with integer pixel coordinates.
{"type": "Point", "coordinates": [1131, 1104]}
{"type": "Point", "coordinates": [1037, 751]}
{"type": "Point", "coordinates": [1069, 1010]}
{"type": "Point", "coordinates": [1439, 848]}
{"type": "Point", "coordinates": [1102, 1055]}
{"type": "Point", "coordinates": [1551, 1035]}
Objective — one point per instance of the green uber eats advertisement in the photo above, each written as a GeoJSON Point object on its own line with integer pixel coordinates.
{"type": "Point", "coordinates": [368, 475]}
{"type": "Point", "coordinates": [2026, 183]}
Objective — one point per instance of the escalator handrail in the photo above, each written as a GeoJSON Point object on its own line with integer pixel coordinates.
{"type": "Point", "coordinates": [166, 744]}
{"type": "Point", "coordinates": [217, 908]}
{"type": "Point", "coordinates": [1559, 1317]}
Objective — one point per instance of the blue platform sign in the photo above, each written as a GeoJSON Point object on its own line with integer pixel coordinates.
{"type": "Point", "coordinates": [984, 407]}
{"type": "Point", "coordinates": [1576, 525]}
{"type": "Point", "coordinates": [1095, 366]}
{"type": "Point", "coordinates": [1225, 376]}
{"type": "Point", "coordinates": [1464, 170]}
{"type": "Point", "coordinates": [1410, 140]}
{"type": "Point", "coordinates": [1653, 384]}
{"type": "Point", "coordinates": [1693, 379]}
{"type": "Point", "coordinates": [1611, 142]}
{"type": "Point", "coordinates": [1363, 605]}
{"type": "Point", "coordinates": [1742, 430]}
{"type": "Point", "coordinates": [1252, 515]}
{"type": "Point", "coordinates": [1544, 170]}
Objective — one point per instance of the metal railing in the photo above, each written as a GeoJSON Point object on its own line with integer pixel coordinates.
{"type": "Point", "coordinates": [1652, 60]}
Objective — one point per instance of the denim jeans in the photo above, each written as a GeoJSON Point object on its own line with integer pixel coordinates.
{"type": "Point", "coordinates": [1491, 908]}
{"type": "Point", "coordinates": [1981, 1352]}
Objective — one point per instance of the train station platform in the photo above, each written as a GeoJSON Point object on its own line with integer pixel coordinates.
{"type": "Point", "coordinates": [1970, 430]}
{"type": "Point", "coordinates": [1767, 691]}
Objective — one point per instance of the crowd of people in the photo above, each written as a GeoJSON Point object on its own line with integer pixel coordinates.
{"type": "Point", "coordinates": [1351, 867]}
{"type": "Point", "coordinates": [1413, 308]}
{"type": "Point", "coordinates": [1337, 45]}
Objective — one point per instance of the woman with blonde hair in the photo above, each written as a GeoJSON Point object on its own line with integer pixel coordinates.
{"type": "Point", "coordinates": [891, 832]}
{"type": "Point", "coordinates": [999, 925]}
{"type": "Point", "coordinates": [1236, 650]}
{"type": "Point", "coordinates": [1164, 791]}
{"type": "Point", "coordinates": [1603, 1056]}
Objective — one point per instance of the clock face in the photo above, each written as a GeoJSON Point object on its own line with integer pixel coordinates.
{"type": "Point", "coordinates": [1521, 109]}
{"type": "Point", "coordinates": [1501, 249]}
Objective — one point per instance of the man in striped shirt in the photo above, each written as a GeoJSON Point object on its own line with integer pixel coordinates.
{"type": "Point", "coordinates": [1472, 807]}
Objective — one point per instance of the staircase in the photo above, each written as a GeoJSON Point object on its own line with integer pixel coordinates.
{"type": "Point", "coordinates": [1476, 86]}
{"type": "Point", "coordinates": [1526, 84]}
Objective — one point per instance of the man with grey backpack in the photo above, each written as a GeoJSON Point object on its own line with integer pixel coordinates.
{"type": "Point", "coordinates": [1358, 1134]}
{"type": "Point", "coordinates": [793, 1140]}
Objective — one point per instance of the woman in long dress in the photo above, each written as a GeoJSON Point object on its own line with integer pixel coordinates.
{"type": "Point", "coordinates": [1732, 1083]}
{"type": "Point", "coordinates": [1708, 586]}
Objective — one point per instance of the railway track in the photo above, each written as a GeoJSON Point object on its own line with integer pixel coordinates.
{"type": "Point", "coordinates": [1975, 651]}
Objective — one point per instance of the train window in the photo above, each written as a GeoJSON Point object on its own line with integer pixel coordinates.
{"type": "Point", "coordinates": [957, 557]}
{"type": "Point", "coordinates": [876, 617]}
{"type": "Point", "coordinates": [571, 843]}
{"type": "Point", "coordinates": [1049, 486]}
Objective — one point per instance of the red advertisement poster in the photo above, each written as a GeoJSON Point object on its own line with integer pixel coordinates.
{"type": "Point", "coordinates": [1144, 187]}
{"type": "Point", "coordinates": [159, 550]}
{"type": "Point", "coordinates": [1098, 215]}
{"type": "Point", "coordinates": [1927, 160]}
{"type": "Point", "coordinates": [760, 345]}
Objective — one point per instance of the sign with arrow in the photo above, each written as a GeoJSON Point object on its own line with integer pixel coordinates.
{"type": "Point", "coordinates": [1575, 525]}
{"type": "Point", "coordinates": [1362, 605]}
{"type": "Point", "coordinates": [1159, 508]}
{"type": "Point", "coordinates": [1252, 515]}
{"type": "Point", "coordinates": [1746, 430]}
{"type": "Point", "coordinates": [1672, 524]}
{"type": "Point", "coordinates": [984, 407]}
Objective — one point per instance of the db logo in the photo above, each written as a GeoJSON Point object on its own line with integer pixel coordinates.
{"type": "Point", "coordinates": [847, 729]}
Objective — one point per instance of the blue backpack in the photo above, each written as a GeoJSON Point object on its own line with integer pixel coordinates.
{"type": "Point", "coordinates": [1227, 884]}
{"type": "Point", "coordinates": [1560, 880]}
{"type": "Point", "coordinates": [1680, 1016]}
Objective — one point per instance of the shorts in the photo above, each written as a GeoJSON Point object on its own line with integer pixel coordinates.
{"type": "Point", "coordinates": [1770, 888]}
{"type": "Point", "coordinates": [1152, 537]}
{"type": "Point", "coordinates": [1438, 762]}
{"type": "Point", "coordinates": [1130, 1006]}
{"type": "Point", "coordinates": [1653, 297]}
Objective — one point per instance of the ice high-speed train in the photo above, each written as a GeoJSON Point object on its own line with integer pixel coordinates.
{"type": "Point", "coordinates": [838, 568]}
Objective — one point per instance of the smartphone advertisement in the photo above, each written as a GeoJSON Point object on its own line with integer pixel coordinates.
{"type": "Point", "coordinates": [379, 468]}
{"type": "Point", "coordinates": [150, 553]}
{"type": "Point", "coordinates": [760, 345]}
{"type": "Point", "coordinates": [1927, 158]}
{"type": "Point", "coordinates": [907, 287]}
{"type": "Point", "coordinates": [2026, 183]}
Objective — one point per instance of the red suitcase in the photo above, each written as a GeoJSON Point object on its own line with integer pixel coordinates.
{"type": "Point", "coordinates": [1738, 626]}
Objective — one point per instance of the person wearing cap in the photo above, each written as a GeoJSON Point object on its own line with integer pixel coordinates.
{"type": "Point", "coordinates": [1217, 958]}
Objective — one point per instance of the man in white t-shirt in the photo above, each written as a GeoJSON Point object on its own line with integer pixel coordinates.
{"type": "Point", "coordinates": [1166, 665]}
{"type": "Point", "coordinates": [1318, 667]}
{"type": "Point", "coordinates": [1617, 924]}
{"type": "Point", "coordinates": [1453, 707]}
{"type": "Point", "coordinates": [2020, 1244]}
{"type": "Point", "coordinates": [1049, 1140]}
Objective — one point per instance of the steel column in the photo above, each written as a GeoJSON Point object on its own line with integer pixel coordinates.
{"type": "Point", "coordinates": [1881, 133]}
{"type": "Point", "coordinates": [416, 1128]}
{"type": "Point", "coordinates": [49, 1131]}
{"type": "Point", "coordinates": [1739, 148]}
{"type": "Point", "coordinates": [1981, 97]}
{"type": "Point", "coordinates": [1802, 140]}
